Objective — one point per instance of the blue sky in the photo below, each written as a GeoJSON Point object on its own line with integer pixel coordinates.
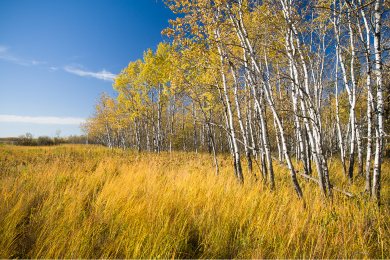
{"type": "Point", "coordinates": [58, 56]}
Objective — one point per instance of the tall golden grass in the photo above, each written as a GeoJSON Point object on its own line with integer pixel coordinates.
{"type": "Point", "coordinates": [91, 202]}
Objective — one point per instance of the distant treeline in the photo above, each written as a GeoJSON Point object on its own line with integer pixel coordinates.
{"type": "Point", "coordinates": [29, 140]}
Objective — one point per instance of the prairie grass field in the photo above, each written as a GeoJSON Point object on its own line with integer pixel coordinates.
{"type": "Point", "coordinates": [75, 201]}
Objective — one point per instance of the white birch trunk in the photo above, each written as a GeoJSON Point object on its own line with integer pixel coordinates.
{"type": "Point", "coordinates": [240, 121]}
{"type": "Point", "coordinates": [241, 32]}
{"type": "Point", "coordinates": [376, 182]}
{"type": "Point", "coordinates": [370, 104]}
{"type": "Point", "coordinates": [236, 153]}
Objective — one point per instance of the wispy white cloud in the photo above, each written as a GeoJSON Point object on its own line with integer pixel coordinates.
{"type": "Point", "coordinates": [36, 62]}
{"type": "Point", "coordinates": [3, 48]}
{"type": "Point", "coordinates": [77, 69]}
{"type": "Point", "coordinates": [103, 75]}
{"type": "Point", "coordinates": [47, 120]}
{"type": "Point", "coordinates": [6, 55]}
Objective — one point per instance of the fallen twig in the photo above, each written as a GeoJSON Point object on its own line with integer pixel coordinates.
{"type": "Point", "coordinates": [347, 193]}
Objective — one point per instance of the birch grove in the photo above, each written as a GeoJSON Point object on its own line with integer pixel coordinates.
{"type": "Point", "coordinates": [297, 83]}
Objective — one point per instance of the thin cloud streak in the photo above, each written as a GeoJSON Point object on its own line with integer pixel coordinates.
{"type": "Point", "coordinates": [103, 75]}
{"type": "Point", "coordinates": [46, 120]}
{"type": "Point", "coordinates": [5, 55]}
